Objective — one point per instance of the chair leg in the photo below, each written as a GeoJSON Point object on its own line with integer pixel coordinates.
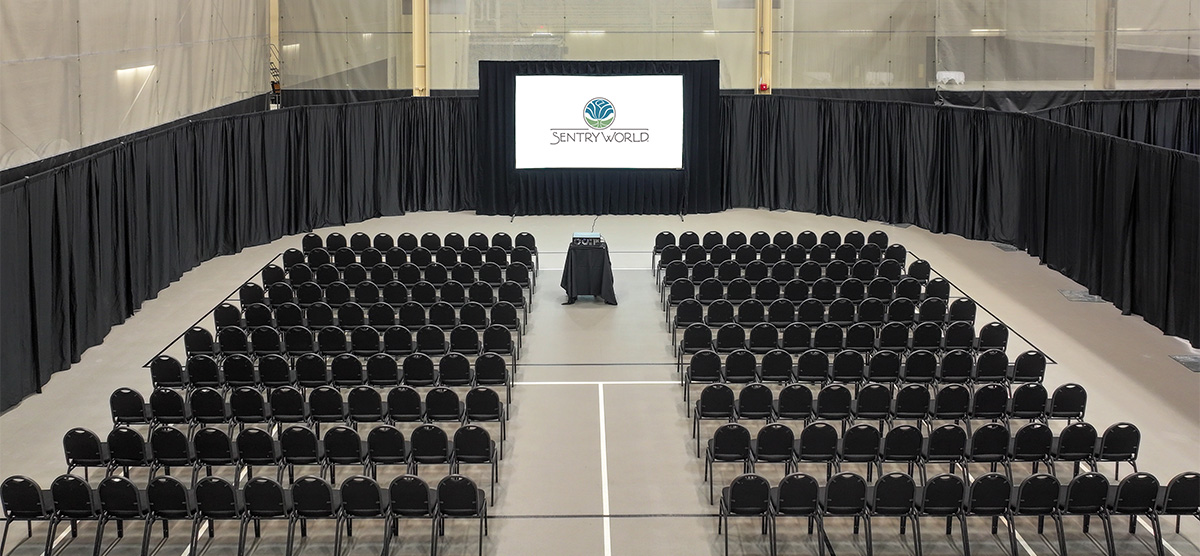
{"type": "Point", "coordinates": [4, 538]}
{"type": "Point", "coordinates": [966, 542]}
{"type": "Point", "coordinates": [1108, 535]}
{"type": "Point", "coordinates": [867, 526]}
{"type": "Point", "coordinates": [1012, 535]}
{"type": "Point", "coordinates": [1062, 540]}
{"type": "Point", "coordinates": [242, 536]}
{"type": "Point", "coordinates": [433, 537]}
{"type": "Point", "coordinates": [337, 537]}
{"type": "Point", "coordinates": [145, 535]}
{"type": "Point", "coordinates": [387, 535]}
{"type": "Point", "coordinates": [481, 534]}
{"type": "Point", "coordinates": [290, 536]}
{"type": "Point", "coordinates": [917, 534]}
{"type": "Point", "coordinates": [193, 538]}
{"type": "Point", "coordinates": [1158, 542]}
{"type": "Point", "coordinates": [50, 537]}
{"type": "Point", "coordinates": [99, 536]}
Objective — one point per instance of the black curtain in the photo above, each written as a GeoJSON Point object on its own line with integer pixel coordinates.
{"type": "Point", "coordinates": [87, 242]}
{"type": "Point", "coordinates": [1115, 215]}
{"type": "Point", "coordinates": [505, 190]}
{"type": "Point", "coordinates": [1173, 123]}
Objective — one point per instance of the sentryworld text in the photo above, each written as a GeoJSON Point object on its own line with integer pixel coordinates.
{"type": "Point", "coordinates": [610, 136]}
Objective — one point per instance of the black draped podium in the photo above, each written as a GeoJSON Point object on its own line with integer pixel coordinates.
{"type": "Point", "coordinates": [588, 271]}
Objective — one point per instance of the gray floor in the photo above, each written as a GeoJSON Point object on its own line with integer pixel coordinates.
{"type": "Point", "coordinates": [573, 483]}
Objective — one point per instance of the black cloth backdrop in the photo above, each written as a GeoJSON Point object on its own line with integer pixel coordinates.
{"type": "Point", "coordinates": [1115, 215]}
{"type": "Point", "coordinates": [1173, 123]}
{"type": "Point", "coordinates": [504, 190]}
{"type": "Point", "coordinates": [85, 243]}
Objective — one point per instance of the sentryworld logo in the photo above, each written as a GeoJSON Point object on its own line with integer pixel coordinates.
{"type": "Point", "coordinates": [599, 113]}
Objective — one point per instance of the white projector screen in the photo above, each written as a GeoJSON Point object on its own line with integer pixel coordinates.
{"type": "Point", "coordinates": [593, 121]}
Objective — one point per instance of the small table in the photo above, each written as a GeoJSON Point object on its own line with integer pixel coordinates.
{"type": "Point", "coordinates": [588, 272]}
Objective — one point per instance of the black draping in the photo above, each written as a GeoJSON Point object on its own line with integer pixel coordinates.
{"type": "Point", "coordinates": [87, 242]}
{"type": "Point", "coordinates": [1112, 214]}
{"type": "Point", "coordinates": [505, 190]}
{"type": "Point", "coordinates": [1172, 123]}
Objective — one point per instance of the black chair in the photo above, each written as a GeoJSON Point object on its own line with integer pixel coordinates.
{"type": "Point", "coordinates": [945, 444]}
{"type": "Point", "coordinates": [859, 444]}
{"type": "Point", "coordinates": [263, 498]}
{"type": "Point", "coordinates": [942, 496]}
{"type": "Point", "coordinates": [404, 405]}
{"type": "Point", "coordinates": [1180, 497]}
{"type": "Point", "coordinates": [483, 405]}
{"type": "Point", "coordinates": [473, 445]}
{"type": "Point", "coordinates": [363, 499]}
{"type": "Point", "coordinates": [902, 444]}
{"type": "Point", "coordinates": [429, 445]}
{"type": "Point", "coordinates": [129, 449]}
{"type": "Point", "coordinates": [774, 443]}
{"type": "Point", "coordinates": [410, 497]}
{"type": "Point", "coordinates": [313, 498]}
{"type": "Point", "coordinates": [893, 495]}
{"type": "Point", "coordinates": [1069, 402]}
{"type": "Point", "coordinates": [168, 499]}
{"type": "Point", "coordinates": [748, 495]}
{"type": "Point", "coordinates": [989, 496]}
{"type": "Point", "coordinates": [121, 500]}
{"type": "Point", "coordinates": [1086, 495]}
{"type": "Point", "coordinates": [24, 501]}
{"type": "Point", "coordinates": [794, 402]}
{"type": "Point", "coordinates": [343, 446]}
{"type": "Point", "coordinates": [818, 443]}
{"type": "Point", "coordinates": [1038, 496]}
{"type": "Point", "coordinates": [74, 500]}
{"type": "Point", "coordinates": [256, 447]}
{"type": "Point", "coordinates": [385, 446]}
{"type": "Point", "coordinates": [458, 497]}
{"type": "Point", "coordinates": [83, 448]}
{"type": "Point", "coordinates": [128, 407]}
{"type": "Point", "coordinates": [797, 496]}
{"type": "Point", "coordinates": [730, 443]}
{"type": "Point", "coordinates": [1032, 443]}
{"type": "Point", "coordinates": [1137, 495]}
{"type": "Point", "coordinates": [755, 402]}
{"type": "Point", "coordinates": [213, 447]}
{"type": "Point", "coordinates": [716, 403]}
{"type": "Point", "coordinates": [845, 494]}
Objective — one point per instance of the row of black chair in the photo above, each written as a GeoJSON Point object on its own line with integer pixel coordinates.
{"type": "Point", "coordinates": [767, 290]}
{"type": "Point", "coordinates": [771, 253]}
{"type": "Point", "coordinates": [760, 239]}
{"type": "Point", "coordinates": [395, 293]}
{"type": "Point", "coordinates": [406, 273]}
{"type": "Point", "coordinates": [381, 370]}
{"type": "Point", "coordinates": [360, 241]}
{"type": "Point", "coordinates": [363, 340]}
{"type": "Point", "coordinates": [380, 315]}
{"type": "Point", "coordinates": [324, 404]}
{"type": "Point", "coordinates": [850, 367]}
{"type": "Point", "coordinates": [799, 337]}
{"type": "Point", "coordinates": [877, 402]}
{"type": "Point", "coordinates": [814, 312]}
{"type": "Point", "coordinates": [810, 273]}
{"type": "Point", "coordinates": [993, 444]}
{"type": "Point", "coordinates": [165, 499]}
{"type": "Point", "coordinates": [345, 257]}
{"type": "Point", "coordinates": [991, 495]}
{"type": "Point", "coordinates": [296, 445]}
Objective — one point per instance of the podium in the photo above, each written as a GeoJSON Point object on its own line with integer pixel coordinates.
{"type": "Point", "coordinates": [588, 270]}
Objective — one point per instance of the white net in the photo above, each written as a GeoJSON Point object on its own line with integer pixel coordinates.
{"type": "Point", "coordinates": [74, 73]}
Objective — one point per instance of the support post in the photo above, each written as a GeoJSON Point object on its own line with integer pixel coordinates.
{"type": "Point", "coordinates": [1104, 70]}
{"type": "Point", "coordinates": [420, 51]}
{"type": "Point", "coordinates": [762, 39]}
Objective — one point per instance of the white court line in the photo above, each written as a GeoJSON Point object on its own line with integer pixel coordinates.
{"type": "Point", "coordinates": [604, 476]}
{"type": "Point", "coordinates": [592, 382]}
{"type": "Point", "coordinates": [54, 545]}
{"type": "Point", "coordinates": [1142, 521]}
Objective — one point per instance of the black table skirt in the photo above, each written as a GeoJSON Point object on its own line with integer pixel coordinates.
{"type": "Point", "coordinates": [588, 272]}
